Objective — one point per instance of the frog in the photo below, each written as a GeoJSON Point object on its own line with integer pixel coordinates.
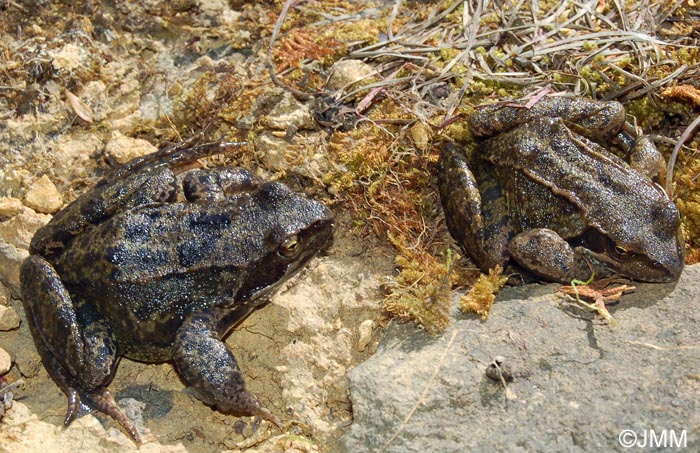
{"type": "Point", "coordinates": [563, 190]}
{"type": "Point", "coordinates": [159, 262]}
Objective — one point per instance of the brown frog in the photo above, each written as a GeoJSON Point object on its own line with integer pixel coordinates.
{"type": "Point", "coordinates": [155, 267]}
{"type": "Point", "coordinates": [543, 190]}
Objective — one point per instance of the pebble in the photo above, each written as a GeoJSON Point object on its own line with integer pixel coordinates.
{"type": "Point", "coordinates": [5, 362]}
{"type": "Point", "coordinates": [121, 149]}
{"type": "Point", "coordinates": [9, 207]}
{"type": "Point", "coordinates": [290, 113]}
{"type": "Point", "coordinates": [347, 73]}
{"type": "Point", "coordinates": [9, 319]}
{"type": "Point", "coordinates": [43, 196]}
{"type": "Point", "coordinates": [11, 259]}
{"type": "Point", "coordinates": [365, 329]}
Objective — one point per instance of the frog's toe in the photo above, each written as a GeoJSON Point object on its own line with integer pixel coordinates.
{"type": "Point", "coordinates": [84, 403]}
{"type": "Point", "coordinates": [103, 401]}
{"type": "Point", "coordinates": [76, 408]}
{"type": "Point", "coordinates": [246, 403]}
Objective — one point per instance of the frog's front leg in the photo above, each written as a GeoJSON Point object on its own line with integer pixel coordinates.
{"type": "Point", "coordinates": [208, 365]}
{"type": "Point", "coordinates": [543, 252]}
{"type": "Point", "coordinates": [75, 344]}
{"type": "Point", "coordinates": [475, 212]}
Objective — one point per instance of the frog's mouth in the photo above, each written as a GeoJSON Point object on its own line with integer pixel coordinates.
{"type": "Point", "coordinates": [607, 258]}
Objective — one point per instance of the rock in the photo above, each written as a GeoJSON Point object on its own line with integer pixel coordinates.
{"type": "Point", "coordinates": [9, 319]}
{"type": "Point", "coordinates": [5, 362]}
{"type": "Point", "coordinates": [68, 57]}
{"type": "Point", "coordinates": [289, 113]}
{"type": "Point", "coordinates": [366, 328]}
{"type": "Point", "coordinates": [43, 196]}
{"type": "Point", "coordinates": [347, 73]}
{"type": "Point", "coordinates": [11, 259]}
{"type": "Point", "coordinates": [421, 136]}
{"type": "Point", "coordinates": [121, 149]}
{"type": "Point", "coordinates": [10, 207]}
{"type": "Point", "coordinates": [19, 229]}
{"type": "Point", "coordinates": [273, 149]}
{"type": "Point", "coordinates": [585, 381]}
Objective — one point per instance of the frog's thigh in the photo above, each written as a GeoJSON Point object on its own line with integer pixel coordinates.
{"type": "Point", "coordinates": [477, 219]}
{"type": "Point", "coordinates": [208, 365]}
{"type": "Point", "coordinates": [218, 183]}
{"type": "Point", "coordinates": [75, 344]}
{"type": "Point", "coordinates": [543, 252]}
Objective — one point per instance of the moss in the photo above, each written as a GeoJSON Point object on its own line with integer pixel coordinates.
{"type": "Point", "coordinates": [688, 202]}
{"type": "Point", "coordinates": [421, 291]}
{"type": "Point", "coordinates": [482, 294]}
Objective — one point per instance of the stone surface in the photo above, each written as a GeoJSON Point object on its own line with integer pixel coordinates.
{"type": "Point", "coordinates": [582, 381]}
{"type": "Point", "coordinates": [9, 319]}
{"type": "Point", "coordinates": [43, 196]}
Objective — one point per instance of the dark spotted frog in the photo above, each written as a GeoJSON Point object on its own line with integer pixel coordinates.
{"type": "Point", "coordinates": [543, 191]}
{"type": "Point", "coordinates": [158, 267]}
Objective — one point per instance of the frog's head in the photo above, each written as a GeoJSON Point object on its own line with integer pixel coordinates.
{"type": "Point", "coordinates": [292, 229]}
{"type": "Point", "coordinates": [651, 252]}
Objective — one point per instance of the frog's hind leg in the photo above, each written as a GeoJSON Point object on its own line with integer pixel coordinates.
{"type": "Point", "coordinates": [475, 211]}
{"type": "Point", "coordinates": [76, 346]}
{"type": "Point", "coordinates": [208, 365]}
{"type": "Point", "coordinates": [218, 183]}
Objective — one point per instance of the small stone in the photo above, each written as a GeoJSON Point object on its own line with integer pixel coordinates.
{"type": "Point", "coordinates": [121, 149]}
{"type": "Point", "coordinates": [9, 319]}
{"type": "Point", "coordinates": [9, 207]}
{"type": "Point", "coordinates": [5, 362]}
{"type": "Point", "coordinates": [43, 196]}
{"type": "Point", "coordinates": [365, 329]}
{"type": "Point", "coordinates": [290, 113]}
{"type": "Point", "coordinates": [421, 136]}
{"type": "Point", "coordinates": [68, 58]}
{"type": "Point", "coordinates": [273, 149]}
{"type": "Point", "coordinates": [348, 73]}
{"type": "Point", "coordinates": [19, 229]}
{"type": "Point", "coordinates": [11, 259]}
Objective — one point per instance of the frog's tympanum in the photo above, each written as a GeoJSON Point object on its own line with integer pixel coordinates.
{"type": "Point", "coordinates": [543, 190]}
{"type": "Point", "coordinates": [157, 267]}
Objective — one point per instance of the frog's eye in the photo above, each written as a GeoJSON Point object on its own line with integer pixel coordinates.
{"type": "Point", "coordinates": [620, 252]}
{"type": "Point", "coordinates": [290, 246]}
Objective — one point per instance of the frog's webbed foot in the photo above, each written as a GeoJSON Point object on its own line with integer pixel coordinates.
{"type": "Point", "coordinates": [208, 365]}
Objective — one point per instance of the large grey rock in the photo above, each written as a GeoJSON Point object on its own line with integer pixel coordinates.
{"type": "Point", "coordinates": [588, 381]}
